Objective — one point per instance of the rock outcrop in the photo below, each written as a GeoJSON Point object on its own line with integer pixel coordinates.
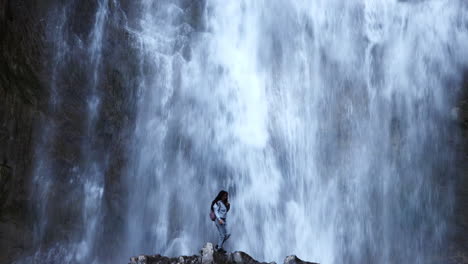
{"type": "Point", "coordinates": [209, 256]}
{"type": "Point", "coordinates": [295, 260]}
{"type": "Point", "coordinates": [460, 238]}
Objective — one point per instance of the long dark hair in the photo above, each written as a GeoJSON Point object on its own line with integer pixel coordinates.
{"type": "Point", "coordinates": [218, 198]}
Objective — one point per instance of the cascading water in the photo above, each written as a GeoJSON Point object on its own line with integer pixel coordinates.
{"type": "Point", "coordinates": [93, 172]}
{"type": "Point", "coordinates": [79, 195]}
{"type": "Point", "coordinates": [327, 121]}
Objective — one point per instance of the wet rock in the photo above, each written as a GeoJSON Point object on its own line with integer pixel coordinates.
{"type": "Point", "coordinates": [5, 180]}
{"type": "Point", "coordinates": [460, 237]}
{"type": "Point", "coordinates": [209, 256]}
{"type": "Point", "coordinates": [240, 257]}
{"type": "Point", "coordinates": [295, 260]}
{"type": "Point", "coordinates": [158, 259]}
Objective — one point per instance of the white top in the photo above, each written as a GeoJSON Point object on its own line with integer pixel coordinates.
{"type": "Point", "coordinates": [220, 210]}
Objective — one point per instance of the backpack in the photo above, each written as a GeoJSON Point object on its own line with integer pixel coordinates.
{"type": "Point", "coordinates": [212, 215]}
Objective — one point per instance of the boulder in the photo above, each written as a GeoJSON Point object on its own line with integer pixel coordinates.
{"type": "Point", "coordinates": [295, 260]}
{"type": "Point", "coordinates": [158, 259]}
{"type": "Point", "coordinates": [209, 256]}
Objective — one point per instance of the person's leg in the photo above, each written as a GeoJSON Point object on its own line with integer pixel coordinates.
{"type": "Point", "coordinates": [226, 234]}
{"type": "Point", "coordinates": [227, 237]}
{"type": "Point", "coordinates": [221, 234]}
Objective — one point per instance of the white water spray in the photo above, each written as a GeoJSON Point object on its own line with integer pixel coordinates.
{"type": "Point", "coordinates": [324, 119]}
{"type": "Point", "coordinates": [327, 121]}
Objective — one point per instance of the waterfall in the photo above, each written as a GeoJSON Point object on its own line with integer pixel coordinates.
{"type": "Point", "coordinates": [328, 122]}
{"type": "Point", "coordinates": [77, 196]}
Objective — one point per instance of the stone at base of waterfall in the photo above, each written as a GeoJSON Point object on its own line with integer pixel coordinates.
{"type": "Point", "coordinates": [209, 256]}
{"type": "Point", "coordinates": [295, 260]}
{"type": "Point", "coordinates": [207, 253]}
{"type": "Point", "coordinates": [158, 259]}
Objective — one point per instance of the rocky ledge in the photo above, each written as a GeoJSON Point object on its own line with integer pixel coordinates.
{"type": "Point", "coordinates": [209, 256]}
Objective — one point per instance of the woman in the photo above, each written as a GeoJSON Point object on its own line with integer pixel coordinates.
{"type": "Point", "coordinates": [220, 206]}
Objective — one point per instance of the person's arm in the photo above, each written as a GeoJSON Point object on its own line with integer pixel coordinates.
{"type": "Point", "coordinates": [228, 206]}
{"type": "Point", "coordinates": [216, 208]}
{"type": "Point", "coordinates": [216, 211]}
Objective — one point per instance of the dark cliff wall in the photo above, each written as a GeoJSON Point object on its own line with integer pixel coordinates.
{"type": "Point", "coordinates": [461, 185]}
{"type": "Point", "coordinates": [45, 81]}
{"type": "Point", "coordinates": [29, 42]}
{"type": "Point", "coordinates": [22, 97]}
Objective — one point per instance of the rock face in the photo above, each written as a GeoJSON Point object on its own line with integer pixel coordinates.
{"type": "Point", "coordinates": [47, 70]}
{"type": "Point", "coordinates": [43, 103]}
{"type": "Point", "coordinates": [460, 231]}
{"type": "Point", "coordinates": [210, 256]}
{"type": "Point", "coordinates": [295, 260]}
{"type": "Point", "coordinates": [22, 95]}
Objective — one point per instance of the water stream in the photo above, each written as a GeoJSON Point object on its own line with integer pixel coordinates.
{"type": "Point", "coordinates": [328, 122]}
